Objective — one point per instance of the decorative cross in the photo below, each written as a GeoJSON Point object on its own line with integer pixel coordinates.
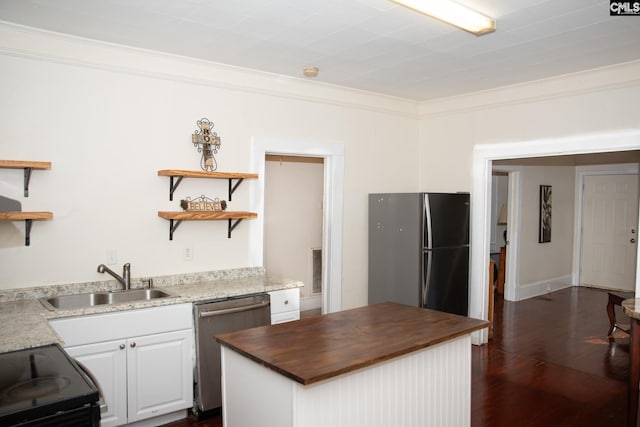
{"type": "Point", "coordinates": [208, 143]}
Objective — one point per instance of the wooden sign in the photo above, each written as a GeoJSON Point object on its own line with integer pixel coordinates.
{"type": "Point", "coordinates": [203, 203]}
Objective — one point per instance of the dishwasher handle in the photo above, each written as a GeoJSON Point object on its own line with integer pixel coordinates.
{"type": "Point", "coordinates": [212, 313]}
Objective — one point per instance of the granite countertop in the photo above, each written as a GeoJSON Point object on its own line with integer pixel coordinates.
{"type": "Point", "coordinates": [25, 323]}
{"type": "Point", "coordinates": [631, 307]}
{"type": "Point", "coordinates": [317, 348]}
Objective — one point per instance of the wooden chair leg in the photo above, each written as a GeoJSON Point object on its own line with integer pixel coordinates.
{"type": "Point", "coordinates": [612, 316]}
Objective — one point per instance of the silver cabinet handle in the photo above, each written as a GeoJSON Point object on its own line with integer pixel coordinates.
{"type": "Point", "coordinates": [133, 344]}
{"type": "Point", "coordinates": [121, 346]}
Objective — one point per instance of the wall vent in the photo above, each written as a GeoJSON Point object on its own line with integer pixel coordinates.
{"type": "Point", "coordinates": [316, 271]}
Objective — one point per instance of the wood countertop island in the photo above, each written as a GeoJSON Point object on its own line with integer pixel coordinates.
{"type": "Point", "coordinates": [385, 364]}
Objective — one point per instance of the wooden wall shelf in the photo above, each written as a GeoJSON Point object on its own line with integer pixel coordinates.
{"type": "Point", "coordinates": [176, 218]}
{"type": "Point", "coordinates": [27, 166]}
{"type": "Point", "coordinates": [28, 218]}
{"type": "Point", "coordinates": [175, 177]}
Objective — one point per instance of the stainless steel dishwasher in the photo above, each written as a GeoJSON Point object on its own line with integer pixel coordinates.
{"type": "Point", "coordinates": [215, 318]}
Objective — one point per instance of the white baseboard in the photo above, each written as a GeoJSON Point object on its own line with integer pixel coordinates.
{"type": "Point", "coordinates": [162, 419]}
{"type": "Point", "coordinates": [311, 303]}
{"type": "Point", "coordinates": [543, 287]}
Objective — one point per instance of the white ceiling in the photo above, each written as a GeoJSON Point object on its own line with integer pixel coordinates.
{"type": "Point", "coordinates": [373, 45]}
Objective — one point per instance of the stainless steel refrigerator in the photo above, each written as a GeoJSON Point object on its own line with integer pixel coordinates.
{"type": "Point", "coordinates": [419, 250]}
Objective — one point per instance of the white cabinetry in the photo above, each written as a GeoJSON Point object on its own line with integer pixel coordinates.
{"type": "Point", "coordinates": [142, 359]}
{"type": "Point", "coordinates": [285, 305]}
{"type": "Point", "coordinates": [108, 364]}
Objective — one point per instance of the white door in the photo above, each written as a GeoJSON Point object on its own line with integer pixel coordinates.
{"type": "Point", "coordinates": [609, 234]}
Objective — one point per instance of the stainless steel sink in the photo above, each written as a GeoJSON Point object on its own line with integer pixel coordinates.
{"type": "Point", "coordinates": [69, 302]}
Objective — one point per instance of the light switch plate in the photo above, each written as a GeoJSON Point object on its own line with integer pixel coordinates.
{"type": "Point", "coordinates": [112, 256]}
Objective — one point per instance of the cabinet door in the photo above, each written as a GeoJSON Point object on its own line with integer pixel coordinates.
{"type": "Point", "coordinates": [160, 372]}
{"type": "Point", "coordinates": [107, 362]}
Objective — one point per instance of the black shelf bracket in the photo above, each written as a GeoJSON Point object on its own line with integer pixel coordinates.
{"type": "Point", "coordinates": [27, 178]}
{"type": "Point", "coordinates": [175, 180]}
{"type": "Point", "coordinates": [173, 225]}
{"type": "Point", "coordinates": [173, 185]}
{"type": "Point", "coordinates": [27, 229]}
{"type": "Point", "coordinates": [232, 187]}
{"type": "Point", "coordinates": [232, 226]}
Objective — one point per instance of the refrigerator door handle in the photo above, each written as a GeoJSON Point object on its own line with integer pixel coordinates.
{"type": "Point", "coordinates": [426, 279]}
{"type": "Point", "coordinates": [428, 243]}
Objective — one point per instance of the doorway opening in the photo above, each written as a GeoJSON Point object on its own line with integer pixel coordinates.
{"type": "Point", "coordinates": [499, 218]}
{"type": "Point", "coordinates": [484, 155]}
{"type": "Point", "coordinates": [333, 155]}
{"type": "Point", "coordinates": [293, 223]}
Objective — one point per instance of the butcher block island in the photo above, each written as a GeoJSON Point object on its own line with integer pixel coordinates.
{"type": "Point", "coordinates": [382, 365]}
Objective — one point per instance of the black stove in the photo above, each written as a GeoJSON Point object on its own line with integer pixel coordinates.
{"type": "Point", "coordinates": [43, 386]}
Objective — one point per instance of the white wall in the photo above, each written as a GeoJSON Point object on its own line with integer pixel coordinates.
{"type": "Point", "coordinates": [583, 103]}
{"type": "Point", "coordinates": [110, 117]}
{"type": "Point", "coordinates": [293, 219]}
{"type": "Point", "coordinates": [553, 260]}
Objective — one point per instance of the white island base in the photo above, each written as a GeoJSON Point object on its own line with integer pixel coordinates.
{"type": "Point", "coordinates": [428, 387]}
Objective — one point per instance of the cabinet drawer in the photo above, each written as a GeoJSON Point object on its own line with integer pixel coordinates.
{"type": "Point", "coordinates": [289, 316]}
{"type": "Point", "coordinates": [285, 300]}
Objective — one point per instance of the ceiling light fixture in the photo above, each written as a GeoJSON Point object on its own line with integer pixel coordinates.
{"type": "Point", "coordinates": [310, 71]}
{"type": "Point", "coordinates": [452, 13]}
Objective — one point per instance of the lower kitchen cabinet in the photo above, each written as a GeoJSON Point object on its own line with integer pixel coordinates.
{"type": "Point", "coordinates": [141, 376]}
{"type": "Point", "coordinates": [160, 374]}
{"type": "Point", "coordinates": [107, 362]}
{"type": "Point", "coordinates": [285, 305]}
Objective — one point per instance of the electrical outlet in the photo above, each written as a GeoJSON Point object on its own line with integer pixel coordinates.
{"type": "Point", "coordinates": [112, 256]}
{"type": "Point", "coordinates": [188, 253]}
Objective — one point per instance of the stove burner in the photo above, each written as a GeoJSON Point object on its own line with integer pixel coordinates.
{"type": "Point", "coordinates": [43, 386]}
{"type": "Point", "coordinates": [35, 388]}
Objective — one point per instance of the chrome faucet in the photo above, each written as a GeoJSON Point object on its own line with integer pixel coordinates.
{"type": "Point", "coordinates": [125, 280]}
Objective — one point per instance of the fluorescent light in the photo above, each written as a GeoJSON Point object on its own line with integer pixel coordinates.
{"type": "Point", "coordinates": [452, 13]}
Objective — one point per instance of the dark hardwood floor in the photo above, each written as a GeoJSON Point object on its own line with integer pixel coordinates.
{"type": "Point", "coordinates": [550, 363]}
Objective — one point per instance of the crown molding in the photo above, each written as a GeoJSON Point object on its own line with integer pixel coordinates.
{"type": "Point", "coordinates": [619, 76]}
{"type": "Point", "coordinates": [36, 44]}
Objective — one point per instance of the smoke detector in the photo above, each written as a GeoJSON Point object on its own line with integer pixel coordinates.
{"type": "Point", "coordinates": [311, 72]}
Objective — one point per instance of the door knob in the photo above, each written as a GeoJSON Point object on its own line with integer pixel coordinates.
{"type": "Point", "coordinates": [633, 231]}
{"type": "Point", "coordinates": [133, 344]}
{"type": "Point", "coordinates": [121, 346]}
{"type": "Point", "coordinates": [632, 240]}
